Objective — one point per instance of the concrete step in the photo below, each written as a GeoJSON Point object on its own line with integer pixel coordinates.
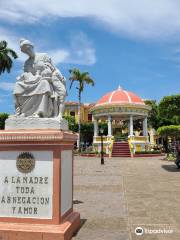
{"type": "Point", "coordinates": [121, 149]}
{"type": "Point", "coordinates": [121, 152]}
{"type": "Point", "coordinates": [120, 146]}
{"type": "Point", "coordinates": [117, 153]}
{"type": "Point", "coordinates": [121, 155]}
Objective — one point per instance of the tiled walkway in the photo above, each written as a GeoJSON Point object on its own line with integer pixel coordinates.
{"type": "Point", "coordinates": [113, 199]}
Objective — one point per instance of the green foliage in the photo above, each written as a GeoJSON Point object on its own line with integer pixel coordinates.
{"type": "Point", "coordinates": [104, 126]}
{"type": "Point", "coordinates": [169, 131]}
{"type": "Point", "coordinates": [3, 117]}
{"type": "Point", "coordinates": [149, 152]}
{"type": "Point", "coordinates": [87, 129]}
{"type": "Point", "coordinates": [153, 116]}
{"type": "Point", "coordinates": [81, 77]}
{"type": "Point", "coordinates": [6, 56]}
{"type": "Point", "coordinates": [166, 113]}
{"type": "Point", "coordinates": [169, 108]}
{"type": "Point", "coordinates": [171, 156]}
{"type": "Point", "coordinates": [121, 136]}
{"type": "Point", "coordinates": [73, 126]}
{"type": "Point", "coordinates": [87, 132]}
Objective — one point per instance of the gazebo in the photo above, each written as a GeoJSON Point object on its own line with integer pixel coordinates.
{"type": "Point", "coordinates": [120, 105]}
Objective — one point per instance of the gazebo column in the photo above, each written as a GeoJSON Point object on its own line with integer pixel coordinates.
{"type": "Point", "coordinates": [145, 132]}
{"type": "Point", "coordinates": [131, 126]}
{"type": "Point", "coordinates": [109, 126]}
{"type": "Point", "coordinates": [96, 130]}
{"type": "Point", "coordinates": [128, 127]}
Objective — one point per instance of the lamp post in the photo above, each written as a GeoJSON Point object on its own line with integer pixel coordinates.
{"type": "Point", "coordinates": [102, 153]}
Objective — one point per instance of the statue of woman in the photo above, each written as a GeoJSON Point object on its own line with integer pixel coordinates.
{"type": "Point", "coordinates": [41, 90]}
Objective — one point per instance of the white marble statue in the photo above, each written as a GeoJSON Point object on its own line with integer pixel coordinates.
{"type": "Point", "coordinates": [41, 90]}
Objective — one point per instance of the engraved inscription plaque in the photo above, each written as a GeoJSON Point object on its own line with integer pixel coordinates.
{"type": "Point", "coordinates": [26, 184]}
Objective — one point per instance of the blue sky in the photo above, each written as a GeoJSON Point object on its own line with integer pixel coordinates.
{"type": "Point", "coordinates": [135, 44]}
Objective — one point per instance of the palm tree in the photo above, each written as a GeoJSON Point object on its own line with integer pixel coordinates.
{"type": "Point", "coordinates": [6, 55]}
{"type": "Point", "coordinates": [82, 78]}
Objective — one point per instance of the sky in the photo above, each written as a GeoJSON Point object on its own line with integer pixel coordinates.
{"type": "Point", "coordinates": [134, 44]}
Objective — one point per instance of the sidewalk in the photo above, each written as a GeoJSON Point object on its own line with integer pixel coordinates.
{"type": "Point", "coordinates": [113, 199]}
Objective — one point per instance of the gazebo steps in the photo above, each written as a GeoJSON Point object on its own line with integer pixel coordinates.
{"type": "Point", "coordinates": [126, 153]}
{"type": "Point", "coordinates": [121, 149]}
{"type": "Point", "coordinates": [121, 156]}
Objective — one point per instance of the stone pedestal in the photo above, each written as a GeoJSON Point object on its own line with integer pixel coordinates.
{"type": "Point", "coordinates": [36, 185]}
{"type": "Point", "coordinates": [15, 123]}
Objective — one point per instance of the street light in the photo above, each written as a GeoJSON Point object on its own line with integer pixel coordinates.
{"type": "Point", "coordinates": [102, 153]}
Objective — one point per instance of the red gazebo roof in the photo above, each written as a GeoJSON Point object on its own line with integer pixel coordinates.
{"type": "Point", "coordinates": [120, 96]}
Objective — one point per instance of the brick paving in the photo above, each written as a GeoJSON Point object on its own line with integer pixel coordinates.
{"type": "Point", "coordinates": [113, 199]}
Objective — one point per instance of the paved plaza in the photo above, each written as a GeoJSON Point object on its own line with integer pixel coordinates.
{"type": "Point", "coordinates": [115, 198]}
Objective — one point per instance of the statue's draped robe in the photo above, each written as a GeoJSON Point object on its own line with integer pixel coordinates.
{"type": "Point", "coordinates": [36, 94]}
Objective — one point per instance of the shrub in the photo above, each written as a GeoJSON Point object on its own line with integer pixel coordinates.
{"type": "Point", "coordinates": [148, 152]}
{"type": "Point", "coordinates": [171, 156]}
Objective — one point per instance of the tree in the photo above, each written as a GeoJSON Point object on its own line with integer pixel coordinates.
{"type": "Point", "coordinates": [3, 117]}
{"type": "Point", "coordinates": [82, 78]}
{"type": "Point", "coordinates": [153, 116]}
{"type": "Point", "coordinates": [169, 131]}
{"type": "Point", "coordinates": [169, 108]}
{"type": "Point", "coordinates": [87, 129]}
{"type": "Point", "coordinates": [87, 132]}
{"type": "Point", "coordinates": [165, 113]}
{"type": "Point", "coordinates": [6, 55]}
{"type": "Point", "coordinates": [73, 126]}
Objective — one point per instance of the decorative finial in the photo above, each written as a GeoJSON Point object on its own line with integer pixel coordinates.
{"type": "Point", "coordinates": [119, 87]}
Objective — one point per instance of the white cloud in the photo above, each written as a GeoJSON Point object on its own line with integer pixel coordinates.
{"type": "Point", "coordinates": [10, 38]}
{"type": "Point", "coordinates": [80, 51]}
{"type": "Point", "coordinates": [59, 55]}
{"type": "Point", "coordinates": [81, 57]}
{"type": "Point", "coordinates": [139, 18]}
{"type": "Point", "coordinates": [13, 41]}
{"type": "Point", "coordinates": [7, 86]}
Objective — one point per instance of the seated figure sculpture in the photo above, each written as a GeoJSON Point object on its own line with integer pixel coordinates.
{"type": "Point", "coordinates": [40, 90]}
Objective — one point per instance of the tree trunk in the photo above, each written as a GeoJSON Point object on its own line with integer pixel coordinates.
{"type": "Point", "coordinates": [165, 142]}
{"type": "Point", "coordinates": [79, 121]}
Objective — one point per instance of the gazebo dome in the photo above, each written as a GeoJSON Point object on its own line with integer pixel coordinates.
{"type": "Point", "coordinates": [120, 103]}
{"type": "Point", "coordinates": [120, 96]}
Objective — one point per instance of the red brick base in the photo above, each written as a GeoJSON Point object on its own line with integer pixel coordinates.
{"type": "Point", "coordinates": [19, 231]}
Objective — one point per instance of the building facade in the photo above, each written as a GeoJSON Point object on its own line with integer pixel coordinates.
{"type": "Point", "coordinates": [71, 109]}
